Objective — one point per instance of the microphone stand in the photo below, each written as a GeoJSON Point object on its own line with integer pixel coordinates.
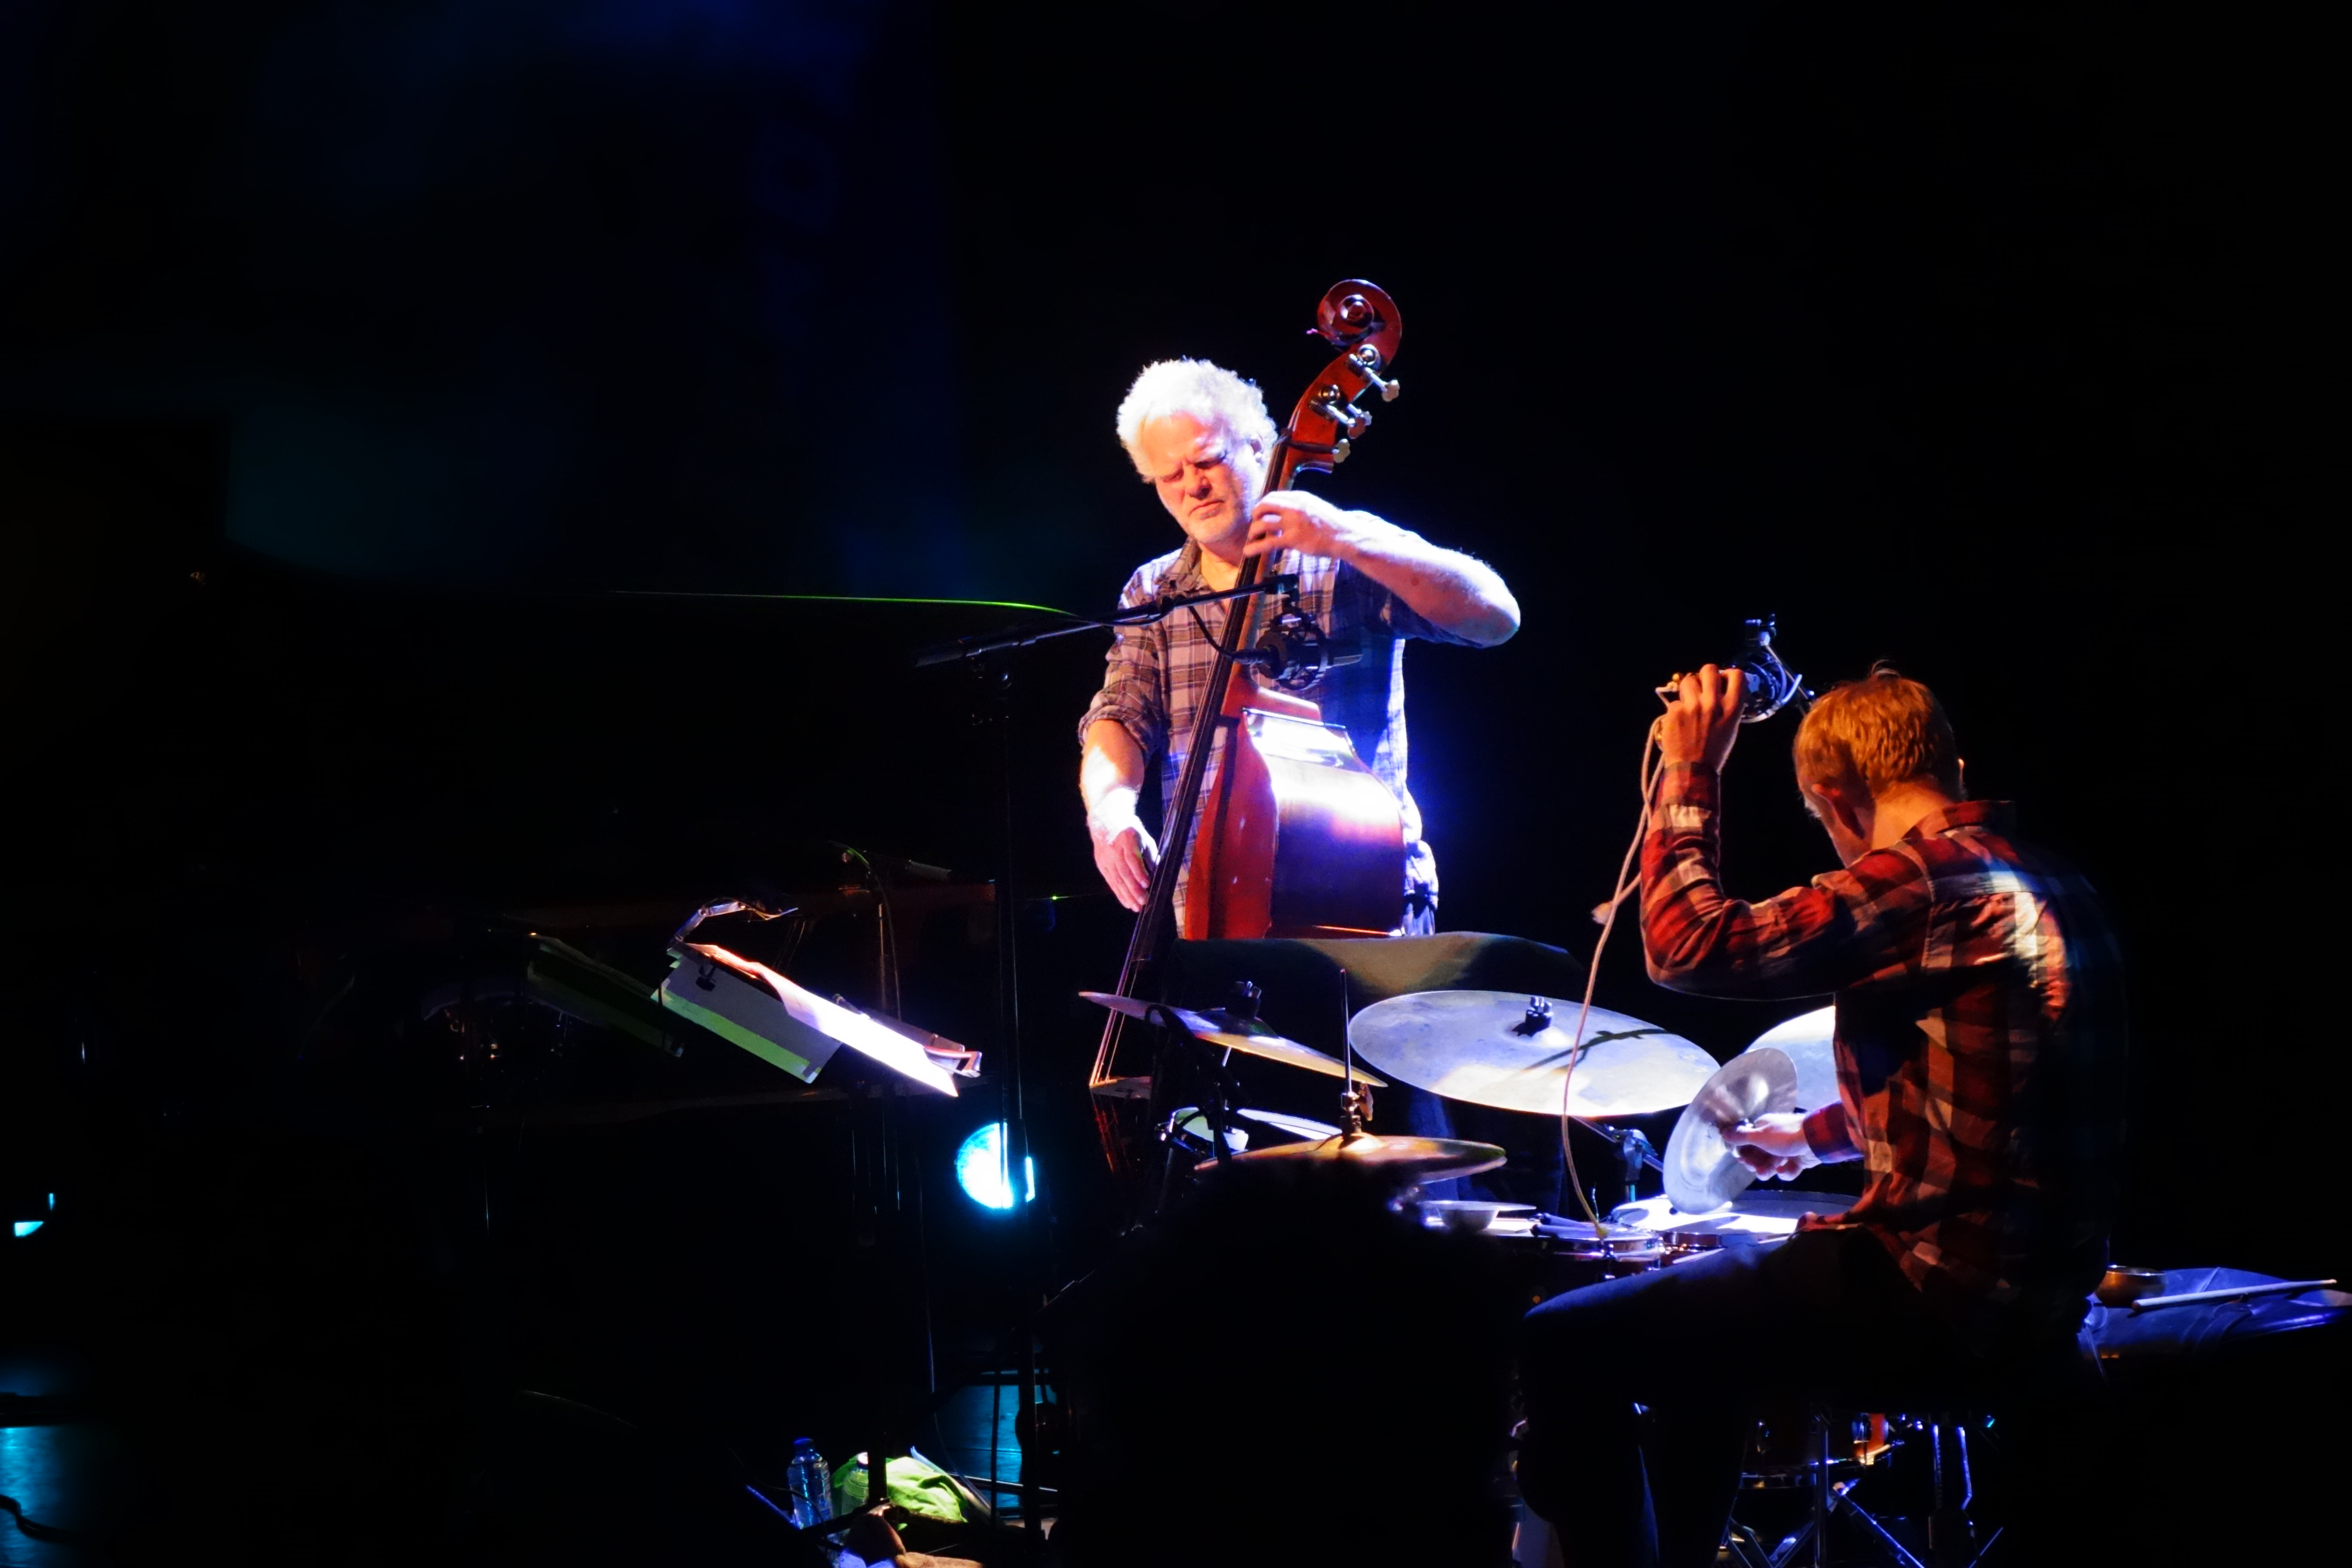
{"type": "Point", "coordinates": [1031, 634]}
{"type": "Point", "coordinates": [985, 656]}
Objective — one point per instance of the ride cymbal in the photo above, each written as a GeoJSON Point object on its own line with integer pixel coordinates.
{"type": "Point", "coordinates": [1510, 1050]}
{"type": "Point", "coordinates": [1808, 1041]}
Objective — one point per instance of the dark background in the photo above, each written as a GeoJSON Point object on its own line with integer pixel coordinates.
{"type": "Point", "coordinates": [1987, 340]}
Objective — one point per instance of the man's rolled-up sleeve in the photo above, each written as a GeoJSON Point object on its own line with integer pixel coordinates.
{"type": "Point", "coordinates": [1133, 695]}
{"type": "Point", "coordinates": [1377, 606]}
{"type": "Point", "coordinates": [1827, 1134]}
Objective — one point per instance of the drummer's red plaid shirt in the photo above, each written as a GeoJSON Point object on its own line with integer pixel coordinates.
{"type": "Point", "coordinates": [1979, 1042]}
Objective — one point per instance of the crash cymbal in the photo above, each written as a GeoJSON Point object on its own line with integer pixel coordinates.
{"type": "Point", "coordinates": [1702, 1172]}
{"type": "Point", "coordinates": [1232, 1032]}
{"type": "Point", "coordinates": [1806, 1040]}
{"type": "Point", "coordinates": [1509, 1051]}
{"type": "Point", "coordinates": [1409, 1160]}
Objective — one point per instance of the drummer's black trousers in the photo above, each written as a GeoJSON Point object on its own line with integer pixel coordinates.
{"type": "Point", "coordinates": [1701, 1345]}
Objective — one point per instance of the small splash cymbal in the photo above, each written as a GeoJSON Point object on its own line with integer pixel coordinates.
{"type": "Point", "coordinates": [1702, 1173]}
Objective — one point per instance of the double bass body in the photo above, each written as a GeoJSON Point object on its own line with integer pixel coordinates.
{"type": "Point", "coordinates": [1300, 838]}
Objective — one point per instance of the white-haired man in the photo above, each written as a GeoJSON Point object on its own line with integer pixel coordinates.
{"type": "Point", "coordinates": [1201, 437]}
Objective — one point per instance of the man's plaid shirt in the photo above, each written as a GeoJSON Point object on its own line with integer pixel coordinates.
{"type": "Point", "coordinates": [1157, 673]}
{"type": "Point", "coordinates": [1979, 1043]}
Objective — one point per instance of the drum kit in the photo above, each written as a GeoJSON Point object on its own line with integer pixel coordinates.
{"type": "Point", "coordinates": [1514, 1052]}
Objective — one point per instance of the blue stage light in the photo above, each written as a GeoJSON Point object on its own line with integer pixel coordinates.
{"type": "Point", "coordinates": [27, 1226]}
{"type": "Point", "coordinates": [981, 1168]}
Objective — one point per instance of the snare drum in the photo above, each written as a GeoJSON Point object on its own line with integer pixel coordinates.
{"type": "Point", "coordinates": [1560, 1255]}
{"type": "Point", "coordinates": [1682, 1246]}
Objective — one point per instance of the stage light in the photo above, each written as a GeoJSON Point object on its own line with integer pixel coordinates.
{"type": "Point", "coordinates": [27, 1226]}
{"type": "Point", "coordinates": [981, 1168]}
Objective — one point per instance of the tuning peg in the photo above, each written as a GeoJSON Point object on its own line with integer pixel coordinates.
{"type": "Point", "coordinates": [1368, 362]}
{"type": "Point", "coordinates": [1342, 413]}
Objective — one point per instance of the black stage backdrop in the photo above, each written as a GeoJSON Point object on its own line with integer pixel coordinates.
{"type": "Point", "coordinates": [1980, 339]}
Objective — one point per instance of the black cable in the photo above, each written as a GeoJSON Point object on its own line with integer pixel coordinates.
{"type": "Point", "coordinates": [35, 1528]}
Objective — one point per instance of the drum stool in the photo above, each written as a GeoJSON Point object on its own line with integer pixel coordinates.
{"type": "Point", "coordinates": [2179, 1424]}
{"type": "Point", "coordinates": [1840, 1454]}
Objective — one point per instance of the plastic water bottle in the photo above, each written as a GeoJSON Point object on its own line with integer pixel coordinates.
{"type": "Point", "coordinates": [810, 1484]}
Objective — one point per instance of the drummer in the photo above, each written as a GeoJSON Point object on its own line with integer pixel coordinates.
{"type": "Point", "coordinates": [1979, 1042]}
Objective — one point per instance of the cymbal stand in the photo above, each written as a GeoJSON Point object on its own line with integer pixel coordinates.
{"type": "Point", "coordinates": [1216, 1090]}
{"type": "Point", "coordinates": [1354, 1106]}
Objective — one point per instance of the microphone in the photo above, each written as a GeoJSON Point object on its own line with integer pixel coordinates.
{"type": "Point", "coordinates": [1771, 684]}
{"type": "Point", "coordinates": [1294, 653]}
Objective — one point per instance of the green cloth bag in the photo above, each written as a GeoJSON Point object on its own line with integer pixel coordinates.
{"type": "Point", "coordinates": [917, 1484]}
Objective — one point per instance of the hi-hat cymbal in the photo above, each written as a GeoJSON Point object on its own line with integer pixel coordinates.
{"type": "Point", "coordinates": [1702, 1172]}
{"type": "Point", "coordinates": [1192, 1120]}
{"type": "Point", "coordinates": [1409, 1160]}
{"type": "Point", "coordinates": [1509, 1051]}
{"type": "Point", "coordinates": [1808, 1040]}
{"type": "Point", "coordinates": [1232, 1032]}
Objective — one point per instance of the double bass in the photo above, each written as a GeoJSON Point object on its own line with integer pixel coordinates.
{"type": "Point", "coordinates": [1298, 837]}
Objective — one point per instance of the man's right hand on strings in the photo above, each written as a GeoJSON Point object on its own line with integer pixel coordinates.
{"type": "Point", "coordinates": [1124, 851]}
{"type": "Point", "coordinates": [1772, 1145]}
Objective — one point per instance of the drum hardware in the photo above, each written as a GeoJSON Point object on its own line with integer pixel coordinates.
{"type": "Point", "coordinates": [1467, 1214]}
{"type": "Point", "coordinates": [1411, 1160]}
{"type": "Point", "coordinates": [1828, 1455]}
{"type": "Point", "coordinates": [1702, 1173]}
{"type": "Point", "coordinates": [1236, 1028]}
{"type": "Point", "coordinates": [1680, 1245]}
{"type": "Point", "coordinates": [1636, 1151]}
{"type": "Point", "coordinates": [1756, 1217]}
{"type": "Point", "coordinates": [1586, 1242]}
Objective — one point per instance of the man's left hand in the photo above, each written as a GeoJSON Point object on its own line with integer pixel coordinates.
{"type": "Point", "coordinates": [1702, 721]}
{"type": "Point", "coordinates": [1294, 520]}
{"type": "Point", "coordinates": [1773, 1145]}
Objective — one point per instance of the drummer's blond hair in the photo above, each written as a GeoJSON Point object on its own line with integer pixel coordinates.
{"type": "Point", "coordinates": [1209, 392]}
{"type": "Point", "coordinates": [1884, 730]}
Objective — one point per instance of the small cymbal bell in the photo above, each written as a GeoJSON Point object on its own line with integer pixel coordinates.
{"type": "Point", "coordinates": [1701, 1172]}
{"type": "Point", "coordinates": [1406, 1159]}
{"type": "Point", "coordinates": [1232, 1032]}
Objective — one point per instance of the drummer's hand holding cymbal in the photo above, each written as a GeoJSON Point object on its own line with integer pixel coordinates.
{"type": "Point", "coordinates": [1772, 1145]}
{"type": "Point", "coordinates": [1702, 719]}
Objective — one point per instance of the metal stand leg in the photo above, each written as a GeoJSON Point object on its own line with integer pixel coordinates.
{"type": "Point", "coordinates": [1823, 1501]}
